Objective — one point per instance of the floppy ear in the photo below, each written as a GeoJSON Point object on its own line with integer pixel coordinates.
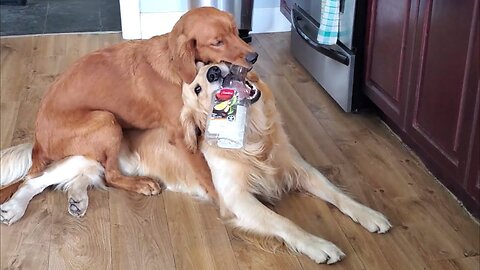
{"type": "Point", "coordinates": [189, 129]}
{"type": "Point", "coordinates": [182, 55]}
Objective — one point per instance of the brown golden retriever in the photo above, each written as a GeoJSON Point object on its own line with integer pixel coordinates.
{"type": "Point", "coordinates": [135, 84]}
{"type": "Point", "coordinates": [267, 167]}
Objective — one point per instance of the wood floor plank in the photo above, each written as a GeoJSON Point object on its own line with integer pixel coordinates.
{"type": "Point", "coordinates": [9, 112]}
{"type": "Point", "coordinates": [443, 206]}
{"type": "Point", "coordinates": [81, 243]}
{"type": "Point", "coordinates": [139, 232]}
{"type": "Point", "coordinates": [250, 257]}
{"type": "Point", "coordinates": [50, 45]}
{"type": "Point", "coordinates": [15, 63]}
{"type": "Point", "coordinates": [218, 240]}
{"type": "Point", "coordinates": [199, 239]}
{"type": "Point", "coordinates": [468, 263]}
{"type": "Point", "coordinates": [26, 244]}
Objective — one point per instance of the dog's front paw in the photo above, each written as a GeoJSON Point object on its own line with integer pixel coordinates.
{"type": "Point", "coordinates": [372, 220]}
{"type": "Point", "coordinates": [321, 251]}
{"type": "Point", "coordinates": [11, 212]}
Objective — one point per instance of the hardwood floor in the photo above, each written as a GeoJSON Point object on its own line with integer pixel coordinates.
{"type": "Point", "coordinates": [171, 231]}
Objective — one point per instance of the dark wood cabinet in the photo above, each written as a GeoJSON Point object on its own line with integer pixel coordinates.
{"type": "Point", "coordinates": [422, 71]}
{"type": "Point", "coordinates": [388, 57]}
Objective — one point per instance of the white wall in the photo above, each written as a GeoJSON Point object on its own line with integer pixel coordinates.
{"type": "Point", "coordinates": [146, 18]}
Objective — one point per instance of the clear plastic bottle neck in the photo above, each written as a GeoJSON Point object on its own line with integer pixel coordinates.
{"type": "Point", "coordinates": [237, 73]}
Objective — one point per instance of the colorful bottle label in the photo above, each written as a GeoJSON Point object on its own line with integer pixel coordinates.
{"type": "Point", "coordinates": [227, 120]}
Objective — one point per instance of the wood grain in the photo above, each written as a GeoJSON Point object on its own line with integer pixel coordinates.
{"type": "Point", "coordinates": [172, 231]}
{"type": "Point", "coordinates": [201, 243]}
{"type": "Point", "coordinates": [139, 232]}
{"type": "Point", "coordinates": [27, 244]}
{"type": "Point", "coordinates": [81, 243]}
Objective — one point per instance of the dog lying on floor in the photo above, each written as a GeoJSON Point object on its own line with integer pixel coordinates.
{"type": "Point", "coordinates": [267, 167]}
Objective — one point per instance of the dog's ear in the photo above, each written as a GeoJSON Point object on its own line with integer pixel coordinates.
{"type": "Point", "coordinates": [190, 129]}
{"type": "Point", "coordinates": [182, 56]}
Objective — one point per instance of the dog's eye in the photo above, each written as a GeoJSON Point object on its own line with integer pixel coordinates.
{"type": "Point", "coordinates": [217, 43]}
{"type": "Point", "coordinates": [198, 89]}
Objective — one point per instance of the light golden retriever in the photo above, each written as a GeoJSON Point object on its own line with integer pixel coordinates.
{"type": "Point", "coordinates": [267, 167]}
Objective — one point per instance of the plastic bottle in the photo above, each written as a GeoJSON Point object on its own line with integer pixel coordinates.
{"type": "Point", "coordinates": [227, 121]}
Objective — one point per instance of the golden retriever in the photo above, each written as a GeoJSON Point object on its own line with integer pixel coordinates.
{"type": "Point", "coordinates": [267, 167]}
{"type": "Point", "coordinates": [135, 84]}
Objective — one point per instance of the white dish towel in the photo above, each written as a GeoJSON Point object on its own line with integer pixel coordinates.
{"type": "Point", "coordinates": [329, 22]}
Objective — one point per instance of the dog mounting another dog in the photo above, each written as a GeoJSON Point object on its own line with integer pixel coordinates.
{"type": "Point", "coordinates": [135, 84]}
{"type": "Point", "coordinates": [268, 166]}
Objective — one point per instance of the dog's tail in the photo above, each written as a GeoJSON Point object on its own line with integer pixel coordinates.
{"type": "Point", "coordinates": [15, 163]}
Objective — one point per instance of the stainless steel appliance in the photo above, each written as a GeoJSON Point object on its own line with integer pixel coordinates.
{"type": "Point", "coordinates": [242, 10]}
{"type": "Point", "coordinates": [336, 67]}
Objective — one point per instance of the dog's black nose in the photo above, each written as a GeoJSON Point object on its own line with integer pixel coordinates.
{"type": "Point", "coordinates": [251, 57]}
{"type": "Point", "coordinates": [214, 74]}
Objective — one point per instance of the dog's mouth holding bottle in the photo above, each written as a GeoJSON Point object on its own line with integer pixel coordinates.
{"type": "Point", "coordinates": [227, 118]}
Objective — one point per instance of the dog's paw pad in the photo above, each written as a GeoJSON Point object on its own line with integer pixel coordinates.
{"type": "Point", "coordinates": [77, 207]}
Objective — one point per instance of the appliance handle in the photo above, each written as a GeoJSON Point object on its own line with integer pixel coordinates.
{"type": "Point", "coordinates": [334, 54]}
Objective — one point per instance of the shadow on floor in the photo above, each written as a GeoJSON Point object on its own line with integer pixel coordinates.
{"type": "Point", "coordinates": [59, 16]}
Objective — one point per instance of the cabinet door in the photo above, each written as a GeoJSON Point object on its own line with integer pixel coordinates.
{"type": "Point", "coordinates": [440, 112]}
{"type": "Point", "coordinates": [390, 33]}
{"type": "Point", "coordinates": [472, 155]}
{"type": "Point", "coordinates": [472, 183]}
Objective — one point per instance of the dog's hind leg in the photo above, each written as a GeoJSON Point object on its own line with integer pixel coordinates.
{"type": "Point", "coordinates": [317, 184]}
{"type": "Point", "coordinates": [107, 142]}
{"type": "Point", "coordinates": [61, 172]}
{"type": "Point", "coordinates": [78, 191]}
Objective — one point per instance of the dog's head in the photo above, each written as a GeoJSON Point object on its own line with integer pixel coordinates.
{"type": "Point", "coordinates": [197, 97]}
{"type": "Point", "coordinates": [209, 35]}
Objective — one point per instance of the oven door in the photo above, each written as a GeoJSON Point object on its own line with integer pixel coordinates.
{"type": "Point", "coordinates": [347, 17]}
{"type": "Point", "coordinates": [332, 66]}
